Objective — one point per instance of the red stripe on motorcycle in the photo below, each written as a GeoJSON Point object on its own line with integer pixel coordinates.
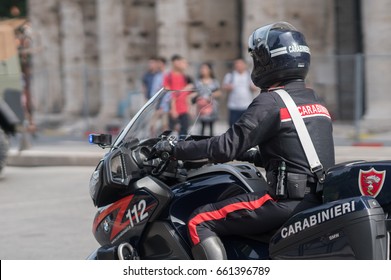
{"type": "Point", "coordinates": [222, 213]}
{"type": "Point", "coordinates": [121, 205]}
{"type": "Point", "coordinates": [312, 110]}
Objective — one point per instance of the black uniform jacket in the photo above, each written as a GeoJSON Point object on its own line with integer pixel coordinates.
{"type": "Point", "coordinates": [267, 123]}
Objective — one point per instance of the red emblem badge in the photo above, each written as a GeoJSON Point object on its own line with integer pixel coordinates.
{"type": "Point", "coordinates": [371, 182]}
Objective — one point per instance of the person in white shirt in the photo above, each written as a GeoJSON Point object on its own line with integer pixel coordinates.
{"type": "Point", "coordinates": [239, 86]}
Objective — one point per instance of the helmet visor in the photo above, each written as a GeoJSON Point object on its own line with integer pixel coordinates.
{"type": "Point", "coordinates": [260, 36]}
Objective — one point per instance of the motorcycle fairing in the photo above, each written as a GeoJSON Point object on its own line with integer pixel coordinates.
{"type": "Point", "coordinates": [125, 219]}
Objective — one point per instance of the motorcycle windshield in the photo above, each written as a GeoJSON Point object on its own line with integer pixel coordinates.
{"type": "Point", "coordinates": [154, 117]}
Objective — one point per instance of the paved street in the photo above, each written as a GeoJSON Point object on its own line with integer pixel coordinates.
{"type": "Point", "coordinates": [46, 213]}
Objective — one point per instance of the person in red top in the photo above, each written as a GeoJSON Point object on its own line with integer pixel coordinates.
{"type": "Point", "coordinates": [177, 80]}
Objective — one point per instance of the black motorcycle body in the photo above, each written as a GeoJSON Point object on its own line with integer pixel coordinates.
{"type": "Point", "coordinates": [144, 205]}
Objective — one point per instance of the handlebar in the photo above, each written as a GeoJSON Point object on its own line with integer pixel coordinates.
{"type": "Point", "coordinates": [163, 156]}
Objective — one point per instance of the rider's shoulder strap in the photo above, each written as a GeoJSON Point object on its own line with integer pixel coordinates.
{"type": "Point", "coordinates": [316, 166]}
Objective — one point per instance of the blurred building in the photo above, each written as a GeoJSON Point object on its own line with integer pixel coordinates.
{"type": "Point", "coordinates": [95, 51]}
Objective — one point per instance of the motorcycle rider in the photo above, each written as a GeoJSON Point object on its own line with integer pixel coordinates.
{"type": "Point", "coordinates": [281, 59]}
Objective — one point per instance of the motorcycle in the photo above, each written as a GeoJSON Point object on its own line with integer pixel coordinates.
{"type": "Point", "coordinates": [145, 201]}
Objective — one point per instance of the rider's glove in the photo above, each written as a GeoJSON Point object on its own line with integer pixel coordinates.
{"type": "Point", "coordinates": [252, 155]}
{"type": "Point", "coordinates": [164, 148]}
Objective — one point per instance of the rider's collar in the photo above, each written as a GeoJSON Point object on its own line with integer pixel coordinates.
{"type": "Point", "coordinates": [275, 88]}
{"type": "Point", "coordinates": [287, 85]}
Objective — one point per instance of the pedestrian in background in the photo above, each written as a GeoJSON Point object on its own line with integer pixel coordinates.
{"type": "Point", "coordinates": [180, 83]}
{"type": "Point", "coordinates": [158, 78]}
{"type": "Point", "coordinates": [240, 89]}
{"type": "Point", "coordinates": [24, 35]}
{"type": "Point", "coordinates": [162, 113]}
{"type": "Point", "coordinates": [208, 88]}
{"type": "Point", "coordinates": [148, 78]}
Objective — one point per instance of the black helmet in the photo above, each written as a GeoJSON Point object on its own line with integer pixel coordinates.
{"type": "Point", "coordinates": [280, 53]}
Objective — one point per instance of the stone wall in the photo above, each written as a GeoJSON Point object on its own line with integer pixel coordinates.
{"type": "Point", "coordinates": [94, 52]}
{"type": "Point", "coordinates": [200, 31]}
{"type": "Point", "coordinates": [72, 56]}
{"type": "Point", "coordinates": [47, 83]}
{"type": "Point", "coordinates": [377, 46]}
